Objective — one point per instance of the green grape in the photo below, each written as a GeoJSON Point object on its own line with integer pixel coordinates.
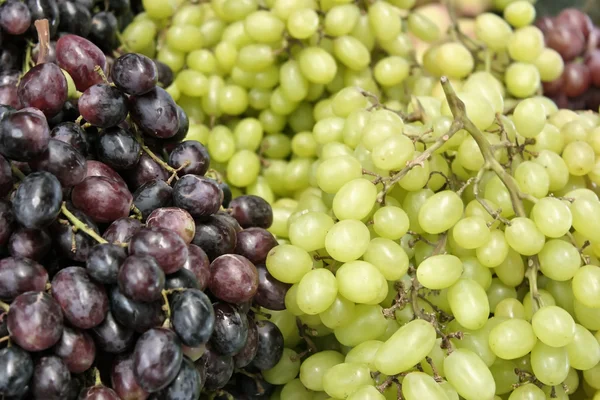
{"type": "Point", "coordinates": [524, 236]}
{"type": "Point", "coordinates": [391, 71]}
{"type": "Point", "coordinates": [528, 391]}
{"type": "Point", "coordinates": [440, 212]}
{"type": "Point", "coordinates": [419, 385]}
{"type": "Point", "coordinates": [422, 27]}
{"type": "Point", "coordinates": [248, 134]}
{"type": "Point", "coordinates": [297, 174]}
{"type": "Point", "coordinates": [302, 23]}
{"type": "Point", "coordinates": [288, 263]}
{"type": "Point", "coordinates": [328, 130]}
{"type": "Point", "coordinates": [295, 390]}
{"type": "Point", "coordinates": [188, 14]}
{"type": "Point", "coordinates": [316, 291]}
{"type": "Point", "coordinates": [364, 353]}
{"type": "Point", "coordinates": [355, 199]}
{"type": "Point", "coordinates": [341, 19]}
{"type": "Point", "coordinates": [234, 10]}
{"type": "Point", "coordinates": [485, 86]}
{"type": "Point", "coordinates": [354, 126]}
{"type": "Point", "coordinates": [550, 365]}
{"type": "Point", "coordinates": [221, 144]}
{"type": "Point", "coordinates": [579, 157]}
{"type": "Point", "coordinates": [198, 132]}
{"type": "Point", "coordinates": [553, 326]}
{"type": "Point", "coordinates": [388, 256]}
{"type": "Point", "coordinates": [559, 260]}
{"type": "Point", "coordinates": [469, 375]}
{"type": "Point", "coordinates": [574, 130]}
{"type": "Point", "coordinates": [366, 393]}
{"type": "Point", "coordinates": [414, 341]}
{"type": "Point", "coordinates": [338, 314]}
{"type": "Point", "coordinates": [173, 58]}
{"type": "Point", "coordinates": [400, 45]}
{"type": "Point", "coordinates": [334, 149]}
{"type": "Point", "coordinates": [504, 375]}
{"type": "Point", "coordinates": [376, 132]}
{"type": "Point", "coordinates": [454, 60]}
{"type": "Point", "coordinates": [546, 300]}
{"type": "Point", "coordinates": [592, 376]}
{"type": "Point", "coordinates": [304, 144]}
{"type": "Point", "coordinates": [385, 22]}
{"type": "Point", "coordinates": [438, 164]}
{"type": "Point", "coordinates": [243, 168]}
{"type": "Point", "coordinates": [472, 269]}
{"type": "Point", "coordinates": [280, 104]}
{"type": "Point", "coordinates": [343, 379]}
{"type": "Point", "coordinates": [439, 271]}
{"type": "Point", "coordinates": [212, 30]}
{"type": "Point", "coordinates": [493, 31]}
{"type": "Point", "coordinates": [351, 52]}
{"type": "Point", "coordinates": [529, 118]}
{"type": "Point", "coordinates": [562, 293]}
{"type": "Point", "coordinates": [309, 230]}
{"type": "Point", "coordinates": [510, 308]}
{"type": "Point", "coordinates": [271, 121]}
{"type": "Point", "coordinates": [479, 109]}
{"type": "Point", "coordinates": [293, 84]}
{"type": "Point", "coordinates": [242, 77]}
{"type": "Point", "coordinates": [476, 341]}
{"type": "Point", "coordinates": [202, 61]}
{"type": "Point", "coordinates": [412, 204]}
{"type": "Point", "coordinates": [519, 13]}
{"type": "Point", "coordinates": [210, 101]}
{"type": "Point", "coordinates": [158, 9]}
{"type": "Point", "coordinates": [362, 31]}
{"type": "Point", "coordinates": [317, 65]}
{"type": "Point", "coordinates": [286, 322]}
{"type": "Point", "coordinates": [314, 368]}
{"type": "Point", "coordinates": [526, 44]}
{"type": "Point", "coordinates": [512, 339]}
{"type": "Point", "coordinates": [522, 79]}
{"type": "Point", "coordinates": [233, 100]}
{"type": "Point", "coordinates": [263, 26]}
{"type": "Point", "coordinates": [498, 291]}
{"type": "Point", "coordinates": [512, 270]}
{"type": "Point", "coordinates": [562, 117]}
{"type": "Point", "coordinates": [586, 218]}
{"type": "Point", "coordinates": [184, 38]}
{"type": "Point", "coordinates": [359, 281]}
{"type": "Point", "coordinates": [262, 189]}
{"type": "Point", "coordinates": [471, 232]}
{"type": "Point", "coordinates": [469, 304]}
{"type": "Point", "coordinates": [583, 350]}
{"type": "Point", "coordinates": [235, 35]}
{"type": "Point", "coordinates": [347, 100]}
{"type": "Point", "coordinates": [390, 222]}
{"type": "Point", "coordinates": [286, 369]}
{"type": "Point", "coordinates": [555, 166]}
{"type": "Point", "coordinates": [368, 323]}
{"type": "Point", "coordinates": [469, 155]}
{"type": "Point", "coordinates": [475, 209]}
{"type": "Point", "coordinates": [347, 240]}
{"type": "Point", "coordinates": [449, 391]}
{"type": "Point", "coordinates": [276, 145]}
{"type": "Point", "coordinates": [392, 152]}
{"type": "Point", "coordinates": [255, 57]}
{"type": "Point", "coordinates": [552, 217]}
{"type": "Point", "coordinates": [334, 173]}
{"type": "Point", "coordinates": [586, 286]}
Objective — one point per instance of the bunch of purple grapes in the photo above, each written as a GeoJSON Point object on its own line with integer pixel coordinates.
{"type": "Point", "coordinates": [125, 272]}
{"type": "Point", "coordinates": [575, 37]}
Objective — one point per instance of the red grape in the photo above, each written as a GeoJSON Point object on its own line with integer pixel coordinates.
{"type": "Point", "coordinates": [112, 337]}
{"type": "Point", "coordinates": [15, 17]}
{"type": "Point", "coordinates": [145, 171]}
{"type": "Point", "coordinates": [194, 154]}
{"type": "Point", "coordinates": [230, 330]}
{"type": "Point", "coordinates": [38, 200]}
{"type": "Point", "coordinates": [219, 368]}
{"type": "Point", "coordinates": [7, 219]}
{"type": "Point", "coordinates": [24, 135]}
{"type": "Point", "coordinates": [79, 57]}
{"type": "Point", "coordinates": [251, 211]}
{"type": "Point", "coordinates": [123, 381]}
{"type": "Point", "coordinates": [77, 350]}
{"type": "Point", "coordinates": [175, 219]}
{"type": "Point", "coordinates": [19, 275]}
{"type": "Point", "coordinates": [199, 264]}
{"type": "Point", "coordinates": [63, 161]}
{"type": "Point", "coordinates": [102, 199]}
{"type": "Point", "coordinates": [192, 317]}
{"type": "Point", "coordinates": [140, 278]}
{"type": "Point", "coordinates": [98, 392]}
{"type": "Point", "coordinates": [103, 262]}
{"type": "Point", "coordinates": [51, 379]}
{"type": "Point", "coordinates": [155, 113]}
{"type": "Point", "coordinates": [16, 369]}
{"type": "Point", "coordinates": [198, 195]}
{"type": "Point", "coordinates": [44, 87]}
{"type": "Point", "coordinates": [576, 77]}
{"type": "Point", "coordinates": [568, 42]}
{"type": "Point", "coordinates": [270, 345]}
{"type": "Point", "coordinates": [216, 236]}
{"type": "Point", "coordinates": [575, 19]}
{"type": "Point", "coordinates": [122, 230]}
{"type": "Point", "coordinates": [103, 105]}
{"type": "Point", "coordinates": [136, 315]}
{"type": "Point", "coordinates": [151, 196]}
{"type": "Point", "coordinates": [255, 244]}
{"type": "Point", "coordinates": [118, 148]}
{"type": "Point", "coordinates": [30, 243]}
{"type": "Point", "coordinates": [592, 61]}
{"type": "Point", "coordinates": [248, 352]}
{"type": "Point", "coordinates": [233, 278]}
{"type": "Point", "coordinates": [169, 250]}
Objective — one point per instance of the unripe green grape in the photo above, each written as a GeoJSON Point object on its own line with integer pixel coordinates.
{"type": "Point", "coordinates": [586, 286]}
{"type": "Point", "coordinates": [469, 304]}
{"type": "Point", "coordinates": [243, 168]}
{"type": "Point", "coordinates": [288, 263]}
{"type": "Point", "coordinates": [202, 61]}
{"type": "Point", "coordinates": [419, 385]}
{"type": "Point", "coordinates": [575, 131]}
{"type": "Point", "coordinates": [528, 391]}
{"type": "Point", "coordinates": [384, 20]}
{"type": "Point", "coordinates": [579, 157]}
{"type": "Point", "coordinates": [339, 313]}
{"type": "Point", "coordinates": [512, 270]}
{"type": "Point", "coordinates": [469, 155]}
{"type": "Point", "coordinates": [347, 240]}
{"type": "Point", "coordinates": [387, 256]}
{"type": "Point", "coordinates": [455, 60]}
{"type": "Point", "coordinates": [285, 370]}
{"type": "Point", "coordinates": [553, 326]}
{"type": "Point", "coordinates": [390, 222]}
{"type": "Point", "coordinates": [559, 260]}
{"type": "Point", "coordinates": [235, 34]}
{"type": "Point", "coordinates": [316, 291]}
{"type": "Point", "coordinates": [343, 379]}
{"type": "Point", "coordinates": [341, 19]}
{"type": "Point", "coordinates": [297, 174]}
{"type": "Point", "coordinates": [586, 217]}
{"type": "Point", "coordinates": [422, 27]}
{"type": "Point", "coordinates": [355, 199]}
{"type": "Point", "coordinates": [550, 365]}
{"type": "Point", "coordinates": [366, 393]}
{"type": "Point", "coordinates": [293, 84]}
{"type": "Point", "coordinates": [391, 70]}
{"type": "Point", "coordinates": [335, 149]}
{"type": "Point", "coordinates": [526, 44]}
{"type": "Point", "coordinates": [472, 269]}
{"type": "Point", "coordinates": [524, 236]}
{"type": "Point", "coordinates": [510, 308]}
{"type": "Point", "coordinates": [313, 369]}
{"type": "Point", "coordinates": [359, 281]}
{"type": "Point", "coordinates": [529, 118]}
{"type": "Point", "coordinates": [280, 104]}
{"type": "Point", "coordinates": [522, 79]}
{"type": "Point", "coordinates": [368, 323]}
{"type": "Point", "coordinates": [440, 212]}
{"type": "Point", "coordinates": [469, 375]}
{"type": "Point", "coordinates": [493, 31]}
{"type": "Point", "coordinates": [212, 30]}
{"type": "Point", "coordinates": [439, 271]}
{"type": "Point", "coordinates": [471, 232]}
{"type": "Point", "coordinates": [364, 353]}
{"type": "Point", "coordinates": [192, 83]}
{"type": "Point", "coordinates": [520, 13]}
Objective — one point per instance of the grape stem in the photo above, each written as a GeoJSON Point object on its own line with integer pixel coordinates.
{"type": "Point", "coordinates": [17, 172]}
{"type": "Point", "coordinates": [457, 107]}
{"type": "Point", "coordinates": [136, 211]}
{"type": "Point", "coordinates": [140, 140]}
{"type": "Point", "coordinates": [4, 339]}
{"type": "Point", "coordinates": [43, 31]}
{"type": "Point", "coordinates": [302, 330]}
{"type": "Point", "coordinates": [79, 225]}
{"type": "Point", "coordinates": [4, 306]}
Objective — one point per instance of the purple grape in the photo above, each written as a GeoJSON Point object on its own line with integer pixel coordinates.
{"type": "Point", "coordinates": [145, 171]}
{"type": "Point", "coordinates": [44, 87]}
{"type": "Point", "coordinates": [199, 264]}
{"type": "Point", "coordinates": [63, 161]}
{"type": "Point", "coordinates": [113, 337]}
{"type": "Point", "coordinates": [102, 199]}
{"type": "Point", "coordinates": [194, 154]}
{"type": "Point", "coordinates": [255, 244]}
{"type": "Point", "coordinates": [118, 148]}
{"type": "Point", "coordinates": [51, 379]}
{"type": "Point", "coordinates": [74, 18]}
{"type": "Point", "coordinates": [24, 135]}
{"type": "Point", "coordinates": [20, 275]}
{"type": "Point", "coordinates": [251, 211]}
{"type": "Point", "coordinates": [271, 292]}
{"type": "Point", "coordinates": [175, 219]}
{"type": "Point", "coordinates": [141, 278]}
{"type": "Point", "coordinates": [103, 105]}
{"type": "Point", "coordinates": [98, 392]}
{"type": "Point", "coordinates": [104, 261]}
{"type": "Point", "coordinates": [155, 112]}
{"type": "Point", "coordinates": [123, 381]}
{"type": "Point", "coordinates": [74, 245]}
{"type": "Point", "coordinates": [134, 74]}
{"type": "Point", "coordinates": [97, 168]}
{"type": "Point", "coordinates": [216, 236]}
{"type": "Point", "coordinates": [187, 384]}
{"type": "Point", "coordinates": [9, 93]}
{"type": "Point", "coordinates": [122, 230]}
{"type": "Point", "coordinates": [219, 369]}
{"type": "Point", "coordinates": [77, 350]}
{"type": "Point", "coordinates": [104, 28]}
{"type": "Point", "coordinates": [248, 352]}
{"type": "Point", "coordinates": [151, 196]}
{"type": "Point", "coordinates": [30, 243]}
{"type": "Point", "coordinates": [270, 345]}
{"type": "Point", "coordinates": [71, 133]}
{"type": "Point", "coordinates": [6, 181]}
{"type": "Point", "coordinates": [16, 369]}
{"type": "Point", "coordinates": [182, 279]}
{"type": "Point", "coordinates": [79, 57]}
{"type": "Point", "coordinates": [165, 74]}
{"type": "Point", "coordinates": [156, 359]}
{"type": "Point", "coordinates": [84, 302]}
{"type": "Point", "coordinates": [169, 250]}
{"type": "Point", "coordinates": [198, 195]}
{"type": "Point", "coordinates": [38, 200]}
{"type": "Point", "coordinates": [7, 219]}
{"type": "Point", "coordinates": [192, 317]}
{"type": "Point", "coordinates": [15, 17]}
{"type": "Point", "coordinates": [136, 315]}
{"type": "Point", "coordinates": [230, 330]}
{"type": "Point", "coordinates": [233, 278]}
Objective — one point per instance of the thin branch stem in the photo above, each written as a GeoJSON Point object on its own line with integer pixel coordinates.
{"type": "Point", "coordinates": [4, 306]}
{"type": "Point", "coordinates": [77, 224]}
{"type": "Point", "coordinates": [17, 172]}
{"type": "Point", "coordinates": [151, 154]}
{"type": "Point", "coordinates": [43, 31]}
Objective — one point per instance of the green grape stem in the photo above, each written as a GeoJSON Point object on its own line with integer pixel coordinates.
{"type": "Point", "coordinates": [151, 154]}
{"type": "Point", "coordinates": [97, 377]}
{"type": "Point", "coordinates": [136, 211]}
{"type": "Point", "coordinates": [17, 172]}
{"type": "Point", "coordinates": [77, 224]}
{"type": "Point", "coordinates": [303, 332]}
{"type": "Point", "coordinates": [4, 306]}
{"type": "Point", "coordinates": [457, 107]}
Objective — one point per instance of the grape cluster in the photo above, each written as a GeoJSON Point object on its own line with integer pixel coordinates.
{"type": "Point", "coordinates": [573, 35]}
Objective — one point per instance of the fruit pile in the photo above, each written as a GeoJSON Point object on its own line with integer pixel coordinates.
{"type": "Point", "coordinates": [300, 200]}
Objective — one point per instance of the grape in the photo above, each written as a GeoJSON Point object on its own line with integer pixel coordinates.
{"type": "Point", "coordinates": [134, 74]}
{"type": "Point", "coordinates": [219, 369]}
{"type": "Point", "coordinates": [19, 275]}
{"type": "Point", "coordinates": [102, 199]}
{"type": "Point", "coordinates": [418, 384]}
{"type": "Point", "coordinates": [245, 356]}
{"type": "Point", "coordinates": [24, 135]}
{"type": "Point", "coordinates": [200, 196]}
{"type": "Point", "coordinates": [97, 168]}
{"type": "Point", "coordinates": [43, 87]}
{"type": "Point", "coordinates": [16, 369]}
{"type": "Point", "coordinates": [549, 364]}
{"type": "Point", "coordinates": [270, 345]}
{"type": "Point", "coordinates": [254, 244]}
{"type": "Point", "coordinates": [103, 31]}
{"type": "Point", "coordinates": [16, 18]}
{"type": "Point", "coordinates": [271, 292]}
{"type": "Point", "coordinates": [151, 196]}
{"type": "Point", "coordinates": [98, 392]}
{"type": "Point", "coordinates": [77, 349]}
{"type": "Point", "coordinates": [585, 285]}
{"type": "Point", "coordinates": [141, 278]}
{"type": "Point", "coordinates": [175, 219]}
{"type": "Point", "coordinates": [469, 303]}
{"type": "Point", "coordinates": [157, 359]}
{"type": "Point", "coordinates": [123, 380]}
{"type": "Point", "coordinates": [194, 154]}
{"type": "Point", "coordinates": [251, 211]}
{"type": "Point", "coordinates": [230, 329]}
{"type": "Point", "coordinates": [122, 230]}
{"type": "Point", "coordinates": [79, 57]}
{"type": "Point", "coordinates": [439, 271]}
{"type": "Point", "coordinates": [216, 236]}
{"type": "Point", "coordinates": [135, 315]}
{"type": "Point", "coordinates": [145, 171]}
{"type": "Point", "coordinates": [104, 261]}
{"type": "Point", "coordinates": [51, 378]}
{"type": "Point", "coordinates": [316, 291]}
{"type": "Point", "coordinates": [63, 161]}
{"type": "Point", "coordinates": [169, 250]}
{"type": "Point", "coordinates": [469, 375]}
{"type": "Point", "coordinates": [117, 148]}
{"type": "Point", "coordinates": [155, 113]}
{"type": "Point", "coordinates": [193, 317]}
{"type": "Point", "coordinates": [359, 281]}
{"type": "Point", "coordinates": [199, 264]}
{"type": "Point", "coordinates": [512, 339]}
{"type": "Point", "coordinates": [187, 384]}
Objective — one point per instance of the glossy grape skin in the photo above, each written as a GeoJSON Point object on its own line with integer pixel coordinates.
{"type": "Point", "coordinates": [102, 199]}
{"type": "Point", "coordinates": [216, 236]}
{"type": "Point", "coordinates": [63, 161]}
{"type": "Point", "coordinates": [38, 200]}
{"type": "Point", "coordinates": [192, 152]}
{"type": "Point", "coordinates": [156, 359]}
{"type": "Point", "coordinates": [567, 41]}
{"type": "Point", "coordinates": [145, 171]}
{"type": "Point", "coordinates": [103, 105]}
{"type": "Point", "coordinates": [97, 168]}
{"type": "Point", "coordinates": [79, 57]}
{"type": "Point", "coordinates": [169, 250]}
{"type": "Point", "coordinates": [51, 379]}
{"type": "Point", "coordinates": [187, 384]}
{"type": "Point", "coordinates": [165, 74]}
{"type": "Point", "coordinates": [270, 345]}
{"type": "Point", "coordinates": [219, 368]}
{"type": "Point", "coordinates": [15, 18]}
{"type": "Point", "coordinates": [198, 195]}
{"type": "Point", "coordinates": [64, 237]}
{"type": "Point", "coordinates": [255, 244]}
{"type": "Point", "coordinates": [104, 27]}
{"type": "Point", "coordinates": [152, 195]}
{"type": "Point", "coordinates": [19, 275]}
{"type": "Point", "coordinates": [77, 349]}
{"type": "Point", "coordinates": [24, 135]}
{"type": "Point", "coordinates": [118, 149]}
{"type": "Point", "coordinates": [231, 329]}
{"type": "Point", "coordinates": [35, 321]}
{"type": "Point", "coordinates": [141, 279]}
{"type": "Point", "coordinates": [123, 381]}
{"type": "Point", "coordinates": [251, 211]}
{"type": "Point", "coordinates": [98, 392]}
{"type": "Point", "coordinates": [182, 279]}
{"type": "Point", "coordinates": [7, 222]}
{"type": "Point", "coordinates": [45, 9]}
{"type": "Point", "coordinates": [122, 230]}
{"type": "Point", "coordinates": [245, 356]}
{"type": "Point", "coordinates": [199, 264]}
{"type": "Point", "coordinates": [155, 113]}
{"type": "Point", "coordinates": [9, 93]}
{"type": "Point", "coordinates": [192, 317]}
{"type": "Point", "coordinates": [16, 369]}
{"type": "Point", "coordinates": [134, 74]}
{"type": "Point", "coordinates": [271, 292]}
{"type": "Point", "coordinates": [74, 18]}
{"type": "Point", "coordinates": [136, 315]}
{"type": "Point", "coordinates": [175, 219]}
{"type": "Point", "coordinates": [103, 262]}
{"type": "Point", "coordinates": [44, 87]}
{"type": "Point", "coordinates": [29, 243]}
{"type": "Point", "coordinates": [112, 337]}
{"type": "Point", "coordinates": [233, 278]}
{"type": "Point", "coordinates": [6, 181]}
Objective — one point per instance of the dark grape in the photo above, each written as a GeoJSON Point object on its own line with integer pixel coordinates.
{"type": "Point", "coordinates": [254, 386]}
{"type": "Point", "coordinates": [151, 196]}
{"type": "Point", "coordinates": [77, 350]}
{"type": "Point", "coordinates": [270, 345]}
{"type": "Point", "coordinates": [199, 264]}
{"type": "Point", "coordinates": [231, 329]}
{"type": "Point", "coordinates": [136, 315]}
{"type": "Point", "coordinates": [592, 61]}
{"type": "Point", "coordinates": [255, 244]}
{"type": "Point", "coordinates": [123, 381]}
{"type": "Point", "coordinates": [192, 154]}
{"type": "Point", "coordinates": [271, 292]}
{"type": "Point", "coordinates": [575, 19]}
{"type": "Point", "coordinates": [184, 126]}
{"type": "Point", "coordinates": [15, 17]}
{"type": "Point", "coordinates": [198, 195]}
{"type": "Point", "coordinates": [169, 250]}
{"type": "Point", "coordinates": [35, 321]}
{"type": "Point", "coordinates": [24, 135]}
{"type": "Point", "coordinates": [134, 74]}
{"type": "Point", "coordinates": [141, 278]}
{"type": "Point", "coordinates": [192, 317]}
{"type": "Point", "coordinates": [103, 105]}
{"type": "Point", "coordinates": [29, 243]}
{"type": "Point", "coordinates": [219, 368]}
{"type": "Point", "coordinates": [182, 279]}
{"type": "Point", "coordinates": [45, 9]}
{"type": "Point", "coordinates": [79, 57]}
{"type": "Point", "coordinates": [157, 359]}
{"type": "Point", "coordinates": [19, 275]}
{"type": "Point", "coordinates": [98, 392]}
{"type": "Point", "coordinates": [155, 112]}
{"type": "Point", "coordinates": [175, 219]}
{"type": "Point", "coordinates": [104, 30]}
{"type": "Point", "coordinates": [111, 336]}
{"type": "Point", "coordinates": [568, 42]}
{"type": "Point", "coordinates": [248, 352]}
{"type": "Point", "coordinates": [233, 278]}
{"type": "Point", "coordinates": [186, 386]}
{"type": "Point", "coordinates": [251, 211]}
{"type": "Point", "coordinates": [10, 58]}
{"type": "Point", "coordinates": [145, 171]}
{"type": "Point", "coordinates": [63, 161]}
{"type": "Point", "coordinates": [97, 168]}
{"type": "Point", "coordinates": [122, 230]}
{"type": "Point", "coordinates": [74, 245]}
{"type": "Point", "coordinates": [44, 87]}
{"type": "Point", "coordinates": [104, 261]}
{"type": "Point", "coordinates": [165, 74]}
{"type": "Point", "coordinates": [554, 87]}
{"type": "Point", "coordinates": [215, 236]}
{"type": "Point", "coordinates": [16, 369]}
{"type": "Point", "coordinates": [38, 200]}
{"type": "Point", "coordinates": [74, 18]}
{"type": "Point", "coordinates": [118, 148]}
{"type": "Point", "coordinates": [7, 219]}
{"type": "Point", "coordinates": [227, 195]}
{"type": "Point", "coordinates": [71, 133]}
{"type": "Point", "coordinates": [102, 199]}
{"type": "Point", "coordinates": [576, 79]}
{"type": "Point", "coordinates": [51, 379]}
{"type": "Point", "coordinates": [84, 302]}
